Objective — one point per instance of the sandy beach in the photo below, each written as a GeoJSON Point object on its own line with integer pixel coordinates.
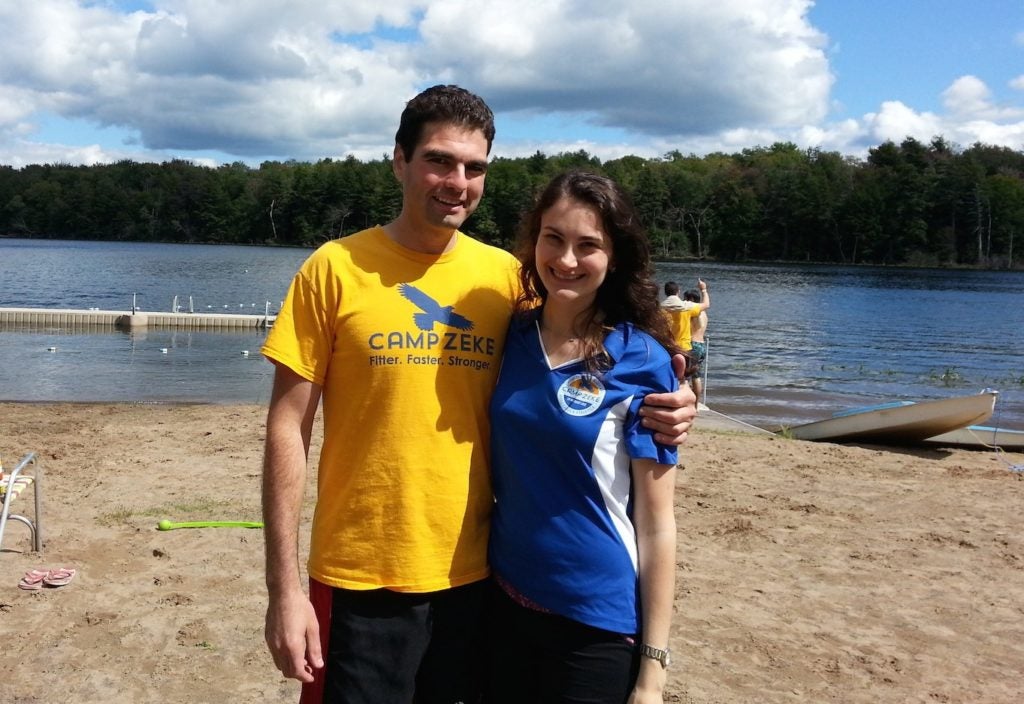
{"type": "Point", "coordinates": [806, 572]}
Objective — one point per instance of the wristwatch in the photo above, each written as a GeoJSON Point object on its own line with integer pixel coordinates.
{"type": "Point", "coordinates": [662, 656]}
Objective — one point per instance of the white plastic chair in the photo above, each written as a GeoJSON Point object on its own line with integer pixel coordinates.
{"type": "Point", "coordinates": [14, 484]}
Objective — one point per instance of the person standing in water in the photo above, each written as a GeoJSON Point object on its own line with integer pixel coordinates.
{"type": "Point", "coordinates": [698, 344]}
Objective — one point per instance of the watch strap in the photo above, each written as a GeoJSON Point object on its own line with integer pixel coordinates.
{"type": "Point", "coordinates": [662, 656]}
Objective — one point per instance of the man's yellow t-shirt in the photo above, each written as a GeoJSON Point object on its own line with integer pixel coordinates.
{"type": "Point", "coordinates": [680, 313]}
{"type": "Point", "coordinates": [407, 347]}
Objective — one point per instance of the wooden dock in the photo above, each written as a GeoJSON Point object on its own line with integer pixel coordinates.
{"type": "Point", "coordinates": [40, 318]}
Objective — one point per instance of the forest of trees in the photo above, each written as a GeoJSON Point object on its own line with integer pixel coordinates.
{"type": "Point", "coordinates": [905, 204]}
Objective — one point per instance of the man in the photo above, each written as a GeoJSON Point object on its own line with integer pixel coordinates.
{"type": "Point", "coordinates": [681, 313]}
{"type": "Point", "coordinates": [698, 328]}
{"type": "Point", "coordinates": [400, 329]}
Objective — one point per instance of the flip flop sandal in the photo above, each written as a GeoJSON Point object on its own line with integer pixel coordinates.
{"type": "Point", "coordinates": [59, 577]}
{"type": "Point", "coordinates": [33, 580]}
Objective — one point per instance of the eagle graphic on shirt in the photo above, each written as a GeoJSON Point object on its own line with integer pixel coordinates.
{"type": "Point", "coordinates": [432, 311]}
{"type": "Point", "coordinates": [585, 383]}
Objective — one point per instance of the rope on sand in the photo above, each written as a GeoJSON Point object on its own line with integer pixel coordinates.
{"type": "Point", "coordinates": [1000, 452]}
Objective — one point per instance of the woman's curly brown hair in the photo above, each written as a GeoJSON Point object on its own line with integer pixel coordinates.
{"type": "Point", "coordinates": [628, 293]}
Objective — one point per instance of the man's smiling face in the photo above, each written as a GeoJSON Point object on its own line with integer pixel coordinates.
{"type": "Point", "coordinates": [444, 180]}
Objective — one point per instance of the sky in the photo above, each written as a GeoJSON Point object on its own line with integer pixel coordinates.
{"type": "Point", "coordinates": [220, 81]}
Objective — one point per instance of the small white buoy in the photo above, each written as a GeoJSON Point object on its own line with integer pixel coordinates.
{"type": "Point", "coordinates": [245, 353]}
{"type": "Point", "coordinates": [163, 350]}
{"type": "Point", "coordinates": [51, 349]}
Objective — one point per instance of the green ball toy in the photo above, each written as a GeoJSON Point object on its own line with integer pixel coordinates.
{"type": "Point", "coordinates": [164, 525]}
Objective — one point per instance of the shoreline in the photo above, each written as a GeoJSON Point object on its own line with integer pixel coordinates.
{"type": "Point", "coordinates": [734, 403]}
{"type": "Point", "coordinates": [687, 259]}
{"type": "Point", "coordinates": [806, 572]}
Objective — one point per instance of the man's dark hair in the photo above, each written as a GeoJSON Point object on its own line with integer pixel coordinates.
{"type": "Point", "coordinates": [671, 288]}
{"type": "Point", "coordinates": [450, 105]}
{"type": "Point", "coordinates": [692, 295]}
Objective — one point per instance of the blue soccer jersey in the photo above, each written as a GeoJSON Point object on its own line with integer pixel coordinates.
{"type": "Point", "coordinates": [561, 444]}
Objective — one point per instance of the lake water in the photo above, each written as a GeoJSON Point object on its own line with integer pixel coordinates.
{"type": "Point", "coordinates": [788, 343]}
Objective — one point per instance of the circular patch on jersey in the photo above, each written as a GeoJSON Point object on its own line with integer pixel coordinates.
{"type": "Point", "coordinates": [581, 394]}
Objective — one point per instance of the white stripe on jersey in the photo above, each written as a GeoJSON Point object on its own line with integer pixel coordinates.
{"type": "Point", "coordinates": [611, 465]}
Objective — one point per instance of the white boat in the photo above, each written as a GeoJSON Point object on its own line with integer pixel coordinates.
{"type": "Point", "coordinates": [980, 436]}
{"type": "Point", "coordinates": [901, 421]}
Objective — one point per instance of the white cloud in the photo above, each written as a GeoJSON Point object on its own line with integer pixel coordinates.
{"type": "Point", "coordinates": [16, 107]}
{"type": "Point", "coordinates": [848, 137]}
{"type": "Point", "coordinates": [659, 68]}
{"type": "Point", "coordinates": [971, 117]}
{"type": "Point", "coordinates": [305, 78]}
{"type": "Point", "coordinates": [987, 132]}
{"type": "Point", "coordinates": [969, 98]}
{"type": "Point", "coordinates": [967, 95]}
{"type": "Point", "coordinates": [19, 153]}
{"type": "Point", "coordinates": [259, 78]}
{"type": "Point", "coordinates": [895, 121]}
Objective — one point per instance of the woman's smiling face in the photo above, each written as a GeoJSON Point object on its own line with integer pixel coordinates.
{"type": "Point", "coordinates": [573, 252]}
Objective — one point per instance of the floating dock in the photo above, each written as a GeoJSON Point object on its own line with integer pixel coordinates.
{"type": "Point", "coordinates": [37, 318]}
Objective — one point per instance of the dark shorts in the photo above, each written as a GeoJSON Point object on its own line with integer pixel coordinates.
{"type": "Point", "coordinates": [382, 647]}
{"type": "Point", "coordinates": [543, 658]}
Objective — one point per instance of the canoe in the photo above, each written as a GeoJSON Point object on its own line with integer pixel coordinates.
{"type": "Point", "coordinates": [980, 436]}
{"type": "Point", "coordinates": [901, 421]}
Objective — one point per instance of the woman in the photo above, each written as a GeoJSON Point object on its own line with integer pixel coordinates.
{"type": "Point", "coordinates": [582, 542]}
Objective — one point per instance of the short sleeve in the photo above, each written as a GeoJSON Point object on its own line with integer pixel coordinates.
{"type": "Point", "coordinates": [302, 335]}
{"type": "Point", "coordinates": [649, 370]}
